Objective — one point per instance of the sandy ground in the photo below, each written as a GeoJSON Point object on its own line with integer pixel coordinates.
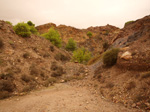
{"type": "Point", "coordinates": [63, 97]}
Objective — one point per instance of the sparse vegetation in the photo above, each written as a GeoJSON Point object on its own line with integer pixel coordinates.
{"type": "Point", "coordinates": [58, 72]}
{"type": "Point", "coordinates": [26, 78]}
{"type": "Point", "coordinates": [61, 57]}
{"type": "Point", "coordinates": [54, 37]}
{"type": "Point", "coordinates": [22, 29]}
{"type": "Point", "coordinates": [4, 94]}
{"type": "Point", "coordinates": [109, 85]}
{"type": "Point", "coordinates": [1, 43]}
{"type": "Point", "coordinates": [7, 85]}
{"type": "Point", "coordinates": [81, 55]}
{"type": "Point", "coordinates": [89, 34]}
{"type": "Point", "coordinates": [26, 55]}
{"type": "Point", "coordinates": [9, 23]}
{"type": "Point", "coordinates": [6, 76]}
{"type": "Point", "coordinates": [94, 59]}
{"type": "Point", "coordinates": [69, 78]}
{"type": "Point", "coordinates": [145, 75]}
{"type": "Point", "coordinates": [105, 45]}
{"type": "Point", "coordinates": [33, 70]}
{"type": "Point", "coordinates": [52, 48]}
{"type": "Point", "coordinates": [130, 85]}
{"type": "Point", "coordinates": [128, 23]}
{"type": "Point", "coordinates": [50, 81]}
{"type": "Point", "coordinates": [29, 87]}
{"type": "Point", "coordinates": [110, 57]}
{"type": "Point", "coordinates": [71, 45]}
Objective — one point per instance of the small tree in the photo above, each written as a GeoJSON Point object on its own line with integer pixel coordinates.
{"type": "Point", "coordinates": [81, 55]}
{"type": "Point", "coordinates": [110, 57]}
{"type": "Point", "coordinates": [30, 23]}
{"type": "Point", "coordinates": [71, 45]}
{"type": "Point", "coordinates": [54, 37]}
{"type": "Point", "coordinates": [89, 34]}
{"type": "Point", "coordinates": [22, 29]}
{"type": "Point", "coordinates": [33, 30]}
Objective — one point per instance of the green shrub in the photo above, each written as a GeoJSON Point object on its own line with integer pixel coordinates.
{"type": "Point", "coordinates": [33, 30]}
{"type": "Point", "coordinates": [81, 55]}
{"type": "Point", "coordinates": [71, 45]}
{"type": "Point", "coordinates": [89, 34]}
{"type": "Point", "coordinates": [22, 29]}
{"type": "Point", "coordinates": [9, 22]}
{"type": "Point", "coordinates": [54, 37]}
{"type": "Point", "coordinates": [128, 23]}
{"type": "Point", "coordinates": [30, 23]}
{"type": "Point", "coordinates": [110, 57]}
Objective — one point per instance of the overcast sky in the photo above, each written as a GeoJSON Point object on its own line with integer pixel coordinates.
{"type": "Point", "coordinates": [77, 13]}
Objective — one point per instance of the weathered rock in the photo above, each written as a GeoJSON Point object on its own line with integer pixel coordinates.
{"type": "Point", "coordinates": [126, 56]}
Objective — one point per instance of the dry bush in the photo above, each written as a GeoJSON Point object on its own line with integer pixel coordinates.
{"type": "Point", "coordinates": [130, 85]}
{"type": "Point", "coordinates": [139, 97]}
{"type": "Point", "coordinates": [26, 78]}
{"type": "Point", "coordinates": [7, 85]}
{"type": "Point", "coordinates": [50, 81]}
{"type": "Point", "coordinates": [94, 59]}
{"type": "Point", "coordinates": [54, 66]}
{"type": "Point", "coordinates": [6, 76]}
{"type": "Point", "coordinates": [29, 87]}
{"type": "Point", "coordinates": [145, 75]}
{"type": "Point", "coordinates": [34, 71]}
{"type": "Point", "coordinates": [109, 85]}
{"type": "Point", "coordinates": [51, 48]}
{"type": "Point", "coordinates": [61, 57]}
{"type": "Point", "coordinates": [69, 78]}
{"type": "Point", "coordinates": [1, 43]}
{"type": "Point", "coordinates": [26, 55]}
{"type": "Point", "coordinates": [46, 55]}
{"type": "Point", "coordinates": [57, 70]}
{"type": "Point", "coordinates": [4, 94]}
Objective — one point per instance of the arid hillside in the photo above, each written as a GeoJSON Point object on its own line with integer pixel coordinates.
{"type": "Point", "coordinates": [28, 63]}
{"type": "Point", "coordinates": [128, 81]}
{"type": "Point", "coordinates": [100, 35]}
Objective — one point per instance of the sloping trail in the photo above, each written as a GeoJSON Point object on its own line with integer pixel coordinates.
{"type": "Point", "coordinates": [64, 97]}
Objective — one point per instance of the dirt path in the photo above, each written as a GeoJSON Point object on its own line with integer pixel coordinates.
{"type": "Point", "coordinates": [64, 97]}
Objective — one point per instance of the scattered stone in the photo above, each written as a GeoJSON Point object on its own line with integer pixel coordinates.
{"type": "Point", "coordinates": [62, 81]}
{"type": "Point", "coordinates": [133, 105]}
{"type": "Point", "coordinates": [126, 56]}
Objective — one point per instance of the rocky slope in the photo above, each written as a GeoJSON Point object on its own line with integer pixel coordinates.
{"type": "Point", "coordinates": [30, 63]}
{"type": "Point", "coordinates": [128, 82]}
{"type": "Point", "coordinates": [101, 35]}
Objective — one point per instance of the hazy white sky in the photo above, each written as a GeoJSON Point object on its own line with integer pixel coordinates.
{"type": "Point", "coordinates": [77, 13]}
